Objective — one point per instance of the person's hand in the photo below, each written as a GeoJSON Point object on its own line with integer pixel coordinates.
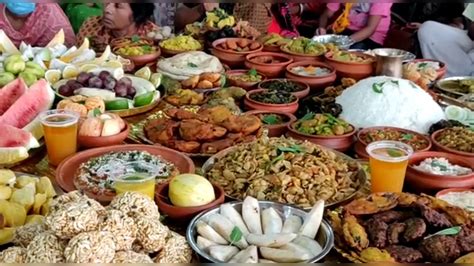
{"type": "Point", "coordinates": [210, 6]}
{"type": "Point", "coordinates": [320, 31]}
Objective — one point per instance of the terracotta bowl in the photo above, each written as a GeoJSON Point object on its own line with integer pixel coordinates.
{"type": "Point", "coordinates": [442, 67]}
{"type": "Point", "coordinates": [300, 94]}
{"type": "Point", "coordinates": [301, 57]}
{"type": "Point", "coordinates": [246, 85]}
{"type": "Point", "coordinates": [340, 143]}
{"type": "Point", "coordinates": [66, 171]}
{"type": "Point", "coordinates": [231, 58]}
{"type": "Point", "coordinates": [449, 190]}
{"type": "Point", "coordinates": [275, 130]}
{"type": "Point", "coordinates": [361, 145]}
{"type": "Point", "coordinates": [271, 70]}
{"type": "Point", "coordinates": [353, 70]}
{"type": "Point", "coordinates": [428, 181]}
{"type": "Point", "coordinates": [141, 60]}
{"type": "Point", "coordinates": [254, 105]}
{"type": "Point", "coordinates": [171, 53]}
{"type": "Point", "coordinates": [272, 48]}
{"type": "Point", "coordinates": [94, 142]}
{"type": "Point", "coordinates": [438, 146]}
{"type": "Point", "coordinates": [184, 213]}
{"type": "Point", "coordinates": [315, 83]}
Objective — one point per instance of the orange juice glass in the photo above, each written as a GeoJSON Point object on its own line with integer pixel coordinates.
{"type": "Point", "coordinates": [143, 183]}
{"type": "Point", "coordinates": [388, 164]}
{"type": "Point", "coordinates": [60, 134]}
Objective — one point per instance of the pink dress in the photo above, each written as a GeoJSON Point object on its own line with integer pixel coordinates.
{"type": "Point", "coordinates": [40, 27]}
{"type": "Point", "coordinates": [359, 16]}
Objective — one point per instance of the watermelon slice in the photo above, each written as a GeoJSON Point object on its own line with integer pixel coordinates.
{"type": "Point", "coordinates": [10, 93]}
{"type": "Point", "coordinates": [15, 137]}
{"type": "Point", "coordinates": [39, 97]}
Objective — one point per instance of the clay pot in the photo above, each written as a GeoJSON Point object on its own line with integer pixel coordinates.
{"type": "Point", "coordinates": [184, 213]}
{"type": "Point", "coordinates": [427, 181]}
{"type": "Point", "coordinates": [340, 143]}
{"type": "Point", "coordinates": [271, 70]}
{"type": "Point", "coordinates": [231, 58]}
{"type": "Point", "coordinates": [275, 130]}
{"type": "Point", "coordinates": [254, 105]}
{"type": "Point", "coordinates": [246, 85]}
{"type": "Point", "coordinates": [450, 190]}
{"type": "Point", "coordinates": [141, 60]}
{"type": "Point", "coordinates": [171, 53]}
{"type": "Point", "coordinates": [315, 83]}
{"type": "Point", "coordinates": [301, 57]}
{"type": "Point", "coordinates": [442, 67]}
{"type": "Point", "coordinates": [94, 142]}
{"type": "Point", "coordinates": [439, 147]}
{"type": "Point", "coordinates": [300, 94]}
{"type": "Point", "coordinates": [353, 70]}
{"type": "Point", "coordinates": [272, 48]}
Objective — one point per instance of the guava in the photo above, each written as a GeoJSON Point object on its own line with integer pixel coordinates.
{"type": "Point", "coordinates": [33, 68]}
{"type": "Point", "coordinates": [14, 65]}
{"type": "Point", "coordinates": [6, 78]}
{"type": "Point", "coordinates": [29, 78]}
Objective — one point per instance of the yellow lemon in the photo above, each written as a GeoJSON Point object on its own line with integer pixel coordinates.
{"type": "Point", "coordinates": [88, 67]}
{"type": "Point", "coordinates": [144, 73]}
{"type": "Point", "coordinates": [155, 79]}
{"type": "Point", "coordinates": [70, 72]}
{"type": "Point", "coordinates": [52, 76]}
{"type": "Point", "coordinates": [113, 64]}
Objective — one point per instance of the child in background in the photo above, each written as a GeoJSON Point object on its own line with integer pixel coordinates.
{"type": "Point", "coordinates": [366, 23]}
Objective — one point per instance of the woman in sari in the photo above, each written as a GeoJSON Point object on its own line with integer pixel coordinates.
{"type": "Point", "coordinates": [118, 20]}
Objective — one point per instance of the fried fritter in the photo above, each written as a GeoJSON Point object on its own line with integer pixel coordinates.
{"type": "Point", "coordinates": [468, 258]}
{"type": "Point", "coordinates": [377, 230]}
{"type": "Point", "coordinates": [373, 204]}
{"type": "Point", "coordinates": [216, 114]}
{"type": "Point", "coordinates": [440, 249]}
{"type": "Point", "coordinates": [161, 131]}
{"type": "Point", "coordinates": [415, 230]}
{"type": "Point", "coordinates": [406, 199]}
{"type": "Point", "coordinates": [187, 146]}
{"type": "Point", "coordinates": [354, 233]}
{"type": "Point", "coordinates": [394, 232]}
{"type": "Point", "coordinates": [246, 124]}
{"type": "Point", "coordinates": [391, 216]}
{"type": "Point", "coordinates": [216, 146]}
{"type": "Point", "coordinates": [195, 130]}
{"type": "Point", "coordinates": [181, 114]}
{"type": "Point", "coordinates": [376, 255]}
{"type": "Point", "coordinates": [465, 239]}
{"type": "Point", "coordinates": [433, 217]}
{"type": "Point", "coordinates": [455, 214]}
{"type": "Point", "coordinates": [404, 254]}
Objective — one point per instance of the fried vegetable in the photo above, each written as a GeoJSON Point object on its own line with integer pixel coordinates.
{"type": "Point", "coordinates": [374, 203]}
{"type": "Point", "coordinates": [271, 221]}
{"type": "Point", "coordinates": [40, 199]}
{"type": "Point", "coordinates": [283, 255]}
{"type": "Point", "coordinates": [354, 233]}
{"type": "Point", "coordinates": [5, 192]}
{"type": "Point", "coordinates": [251, 215]}
{"type": "Point", "coordinates": [14, 213]}
{"type": "Point", "coordinates": [376, 255]}
{"type": "Point", "coordinates": [270, 240]}
{"type": "Point", "coordinates": [292, 224]}
{"type": "Point", "coordinates": [24, 196]}
{"type": "Point", "coordinates": [45, 186]}
{"type": "Point", "coordinates": [468, 258]}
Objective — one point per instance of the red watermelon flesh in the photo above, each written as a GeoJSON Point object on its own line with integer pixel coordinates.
{"type": "Point", "coordinates": [28, 106]}
{"type": "Point", "coordinates": [14, 137]}
{"type": "Point", "coordinates": [10, 93]}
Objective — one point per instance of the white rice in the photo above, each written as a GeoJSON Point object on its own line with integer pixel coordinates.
{"type": "Point", "coordinates": [400, 104]}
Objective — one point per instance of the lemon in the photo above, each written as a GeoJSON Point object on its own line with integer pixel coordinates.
{"type": "Point", "coordinates": [88, 67]}
{"type": "Point", "coordinates": [143, 99]}
{"type": "Point", "coordinates": [52, 76]}
{"type": "Point", "coordinates": [12, 155]}
{"type": "Point", "coordinates": [155, 79]}
{"type": "Point", "coordinates": [6, 235]}
{"type": "Point", "coordinates": [113, 64]}
{"type": "Point", "coordinates": [70, 72]}
{"type": "Point", "coordinates": [144, 73]}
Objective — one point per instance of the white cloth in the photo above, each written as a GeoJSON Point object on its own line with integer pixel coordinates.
{"type": "Point", "coordinates": [449, 45]}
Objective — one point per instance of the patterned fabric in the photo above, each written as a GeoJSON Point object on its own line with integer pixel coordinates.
{"type": "Point", "coordinates": [342, 22]}
{"type": "Point", "coordinates": [164, 14]}
{"type": "Point", "coordinates": [100, 37]}
{"type": "Point", "coordinates": [258, 15]}
{"type": "Point", "coordinates": [40, 27]}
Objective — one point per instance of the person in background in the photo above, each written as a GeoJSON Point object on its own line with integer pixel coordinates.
{"type": "Point", "coordinates": [450, 44]}
{"type": "Point", "coordinates": [34, 24]}
{"type": "Point", "coordinates": [293, 19]}
{"type": "Point", "coordinates": [366, 23]}
{"type": "Point", "coordinates": [80, 12]}
{"type": "Point", "coordinates": [118, 20]}
{"type": "Point", "coordinates": [259, 16]}
{"type": "Point", "coordinates": [190, 13]}
{"type": "Point", "coordinates": [165, 14]}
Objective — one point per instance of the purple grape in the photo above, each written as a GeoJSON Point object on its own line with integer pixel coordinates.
{"type": "Point", "coordinates": [110, 83]}
{"type": "Point", "coordinates": [83, 77]}
{"type": "Point", "coordinates": [104, 75]}
{"type": "Point", "coordinates": [66, 90]}
{"type": "Point", "coordinates": [121, 90]}
{"type": "Point", "coordinates": [131, 91]}
{"type": "Point", "coordinates": [95, 82]}
{"type": "Point", "coordinates": [71, 82]}
{"type": "Point", "coordinates": [126, 81]}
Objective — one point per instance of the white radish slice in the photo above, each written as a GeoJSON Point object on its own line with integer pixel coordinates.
{"type": "Point", "coordinates": [223, 253]}
{"type": "Point", "coordinates": [224, 227]}
{"type": "Point", "coordinates": [271, 221]}
{"type": "Point", "coordinates": [296, 248]}
{"type": "Point", "coordinates": [292, 224]}
{"type": "Point", "coordinates": [209, 233]}
{"type": "Point", "coordinates": [270, 240]}
{"type": "Point", "coordinates": [234, 216]}
{"type": "Point", "coordinates": [265, 261]}
{"type": "Point", "coordinates": [248, 255]}
{"type": "Point", "coordinates": [283, 255]}
{"type": "Point", "coordinates": [312, 221]}
{"type": "Point", "coordinates": [309, 244]}
{"type": "Point", "coordinates": [251, 215]}
{"type": "Point", "coordinates": [204, 243]}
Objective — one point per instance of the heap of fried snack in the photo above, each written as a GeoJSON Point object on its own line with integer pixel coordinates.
{"type": "Point", "coordinates": [203, 81]}
{"type": "Point", "coordinates": [405, 228]}
{"type": "Point", "coordinates": [208, 131]}
{"type": "Point", "coordinates": [80, 230]}
{"type": "Point", "coordinates": [422, 77]}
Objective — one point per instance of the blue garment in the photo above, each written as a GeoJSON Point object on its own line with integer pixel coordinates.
{"type": "Point", "coordinates": [21, 9]}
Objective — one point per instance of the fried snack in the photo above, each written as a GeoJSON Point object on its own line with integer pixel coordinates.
{"type": "Point", "coordinates": [195, 130]}
{"type": "Point", "coordinates": [204, 84]}
{"type": "Point", "coordinates": [130, 256]}
{"type": "Point", "coordinates": [191, 82]}
{"type": "Point", "coordinates": [13, 255]}
{"type": "Point", "coordinates": [216, 114]}
{"type": "Point", "coordinates": [185, 97]}
{"type": "Point", "coordinates": [176, 250]}
{"type": "Point", "coordinates": [152, 233]}
{"type": "Point", "coordinates": [468, 258]}
{"type": "Point", "coordinates": [162, 130]}
{"type": "Point", "coordinates": [375, 203]}
{"type": "Point", "coordinates": [246, 124]}
{"type": "Point", "coordinates": [91, 247]}
{"type": "Point", "coordinates": [45, 248]}
{"type": "Point", "coordinates": [376, 255]}
{"type": "Point", "coordinates": [187, 146]}
{"type": "Point", "coordinates": [211, 77]}
{"type": "Point", "coordinates": [135, 204]}
{"type": "Point", "coordinates": [26, 233]}
{"type": "Point", "coordinates": [354, 233]}
{"type": "Point", "coordinates": [122, 228]}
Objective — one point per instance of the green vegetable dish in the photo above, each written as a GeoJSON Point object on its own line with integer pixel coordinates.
{"type": "Point", "coordinates": [282, 85]}
{"type": "Point", "coordinates": [273, 119]}
{"type": "Point", "coordinates": [250, 76]}
{"type": "Point", "coordinates": [323, 125]}
{"type": "Point", "coordinates": [273, 97]}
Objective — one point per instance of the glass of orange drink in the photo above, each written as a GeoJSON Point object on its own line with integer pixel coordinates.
{"type": "Point", "coordinates": [60, 134]}
{"type": "Point", "coordinates": [388, 164]}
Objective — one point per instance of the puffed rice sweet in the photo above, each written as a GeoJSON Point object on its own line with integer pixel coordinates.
{"type": "Point", "coordinates": [134, 204]}
{"type": "Point", "coordinates": [76, 196]}
{"type": "Point", "coordinates": [122, 228]}
{"type": "Point", "coordinates": [45, 248]}
{"type": "Point", "coordinates": [152, 234]}
{"type": "Point", "coordinates": [130, 256]}
{"type": "Point", "coordinates": [13, 255]}
{"type": "Point", "coordinates": [25, 234]}
{"type": "Point", "coordinates": [91, 247]}
{"type": "Point", "coordinates": [176, 250]}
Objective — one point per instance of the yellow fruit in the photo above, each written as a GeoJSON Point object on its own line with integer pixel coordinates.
{"type": "Point", "coordinates": [113, 64]}
{"type": "Point", "coordinates": [7, 177]}
{"type": "Point", "coordinates": [69, 57]}
{"type": "Point", "coordinates": [34, 219]}
{"type": "Point", "coordinates": [45, 207]}
{"type": "Point", "coordinates": [40, 199]}
{"type": "Point", "coordinates": [70, 72]}
{"type": "Point", "coordinates": [6, 235]}
{"type": "Point", "coordinates": [25, 180]}
{"type": "Point", "coordinates": [155, 79]}
{"type": "Point", "coordinates": [24, 196]}
{"type": "Point", "coordinates": [52, 76]}
{"type": "Point", "coordinates": [12, 155]}
{"type": "Point", "coordinates": [144, 73]}
{"type": "Point", "coordinates": [88, 67]}
{"type": "Point", "coordinates": [45, 186]}
{"type": "Point", "coordinates": [57, 39]}
{"type": "Point", "coordinates": [5, 192]}
{"type": "Point", "coordinates": [13, 213]}
{"type": "Point", "coordinates": [105, 55]}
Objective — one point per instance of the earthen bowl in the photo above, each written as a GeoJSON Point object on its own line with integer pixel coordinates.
{"type": "Point", "coordinates": [450, 190]}
{"type": "Point", "coordinates": [67, 169]}
{"type": "Point", "coordinates": [301, 57]}
{"type": "Point", "coordinates": [340, 143]}
{"type": "Point", "coordinates": [94, 142]}
{"type": "Point", "coordinates": [246, 85]}
{"type": "Point", "coordinates": [254, 105]}
{"type": "Point", "coordinates": [315, 83]}
{"type": "Point", "coordinates": [442, 66]}
{"type": "Point", "coordinates": [275, 130]}
{"type": "Point", "coordinates": [141, 60]}
{"type": "Point", "coordinates": [171, 53]}
{"type": "Point", "coordinates": [361, 144]}
{"type": "Point", "coordinates": [272, 69]}
{"type": "Point", "coordinates": [300, 94]}
{"type": "Point", "coordinates": [231, 58]}
{"type": "Point", "coordinates": [439, 147]}
{"type": "Point", "coordinates": [428, 181]}
{"type": "Point", "coordinates": [272, 48]}
{"type": "Point", "coordinates": [184, 213]}
{"type": "Point", "coordinates": [355, 70]}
